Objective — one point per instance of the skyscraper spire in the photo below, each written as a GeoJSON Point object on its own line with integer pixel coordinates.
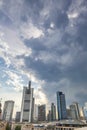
{"type": "Point", "coordinates": [29, 84]}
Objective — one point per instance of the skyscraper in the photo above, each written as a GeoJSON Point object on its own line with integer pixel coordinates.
{"type": "Point", "coordinates": [8, 110]}
{"type": "Point", "coordinates": [61, 106]}
{"type": "Point", "coordinates": [27, 107]}
{"type": "Point", "coordinates": [49, 116]}
{"type": "Point", "coordinates": [53, 112]}
{"type": "Point", "coordinates": [35, 113]}
{"type": "Point", "coordinates": [0, 110]}
{"type": "Point", "coordinates": [17, 119]}
{"type": "Point", "coordinates": [42, 113]}
{"type": "Point", "coordinates": [82, 116]}
{"type": "Point", "coordinates": [75, 114]}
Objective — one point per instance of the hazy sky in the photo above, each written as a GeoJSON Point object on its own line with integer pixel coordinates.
{"type": "Point", "coordinates": [45, 41]}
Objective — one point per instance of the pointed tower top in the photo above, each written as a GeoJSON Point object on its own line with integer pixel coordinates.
{"type": "Point", "coordinates": [29, 84]}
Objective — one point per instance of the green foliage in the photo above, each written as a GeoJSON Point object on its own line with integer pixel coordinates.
{"type": "Point", "coordinates": [8, 127]}
{"type": "Point", "coordinates": [18, 127]}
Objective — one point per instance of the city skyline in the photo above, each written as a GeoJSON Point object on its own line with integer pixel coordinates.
{"type": "Point", "coordinates": [30, 113]}
{"type": "Point", "coordinates": [45, 42]}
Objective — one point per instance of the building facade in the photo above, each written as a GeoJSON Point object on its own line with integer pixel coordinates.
{"type": "Point", "coordinates": [53, 112]}
{"type": "Point", "coordinates": [35, 113]}
{"type": "Point", "coordinates": [82, 115]}
{"type": "Point", "coordinates": [68, 113]}
{"type": "Point", "coordinates": [75, 113]}
{"type": "Point", "coordinates": [27, 107]}
{"type": "Point", "coordinates": [8, 110]}
{"type": "Point", "coordinates": [49, 116]}
{"type": "Point", "coordinates": [0, 110]}
{"type": "Point", "coordinates": [42, 113]}
{"type": "Point", "coordinates": [61, 106]}
{"type": "Point", "coordinates": [18, 114]}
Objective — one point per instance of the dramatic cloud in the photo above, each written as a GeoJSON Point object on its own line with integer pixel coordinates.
{"type": "Point", "coordinates": [44, 41]}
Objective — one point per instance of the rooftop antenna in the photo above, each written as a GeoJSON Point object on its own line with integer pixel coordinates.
{"type": "Point", "coordinates": [30, 82]}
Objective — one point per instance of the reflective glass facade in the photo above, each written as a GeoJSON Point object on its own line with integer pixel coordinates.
{"type": "Point", "coordinates": [61, 106]}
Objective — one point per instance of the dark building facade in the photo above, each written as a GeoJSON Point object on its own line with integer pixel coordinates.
{"type": "Point", "coordinates": [42, 113]}
{"type": "Point", "coordinates": [61, 106]}
{"type": "Point", "coordinates": [18, 114]}
{"type": "Point", "coordinates": [49, 116]}
{"type": "Point", "coordinates": [0, 110]}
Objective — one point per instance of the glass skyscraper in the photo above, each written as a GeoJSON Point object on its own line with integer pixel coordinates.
{"type": "Point", "coordinates": [61, 106]}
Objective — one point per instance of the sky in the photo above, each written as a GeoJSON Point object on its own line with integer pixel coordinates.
{"type": "Point", "coordinates": [44, 41]}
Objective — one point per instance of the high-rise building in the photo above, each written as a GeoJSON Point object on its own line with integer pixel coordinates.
{"type": "Point", "coordinates": [75, 114]}
{"type": "Point", "coordinates": [42, 113]}
{"type": "Point", "coordinates": [27, 107]}
{"type": "Point", "coordinates": [53, 112]}
{"type": "Point", "coordinates": [82, 115]}
{"type": "Point", "coordinates": [17, 119]}
{"type": "Point", "coordinates": [0, 110]}
{"type": "Point", "coordinates": [68, 113]}
{"type": "Point", "coordinates": [35, 113]}
{"type": "Point", "coordinates": [8, 110]}
{"type": "Point", "coordinates": [49, 116]}
{"type": "Point", "coordinates": [61, 106]}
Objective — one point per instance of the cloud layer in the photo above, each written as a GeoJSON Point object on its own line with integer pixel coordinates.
{"type": "Point", "coordinates": [45, 40]}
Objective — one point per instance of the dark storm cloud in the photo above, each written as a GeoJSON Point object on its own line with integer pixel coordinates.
{"type": "Point", "coordinates": [43, 71]}
{"type": "Point", "coordinates": [36, 44]}
{"type": "Point", "coordinates": [81, 97]}
{"type": "Point", "coordinates": [59, 19]}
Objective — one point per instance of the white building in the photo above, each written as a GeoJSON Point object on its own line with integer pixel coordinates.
{"type": "Point", "coordinates": [27, 107]}
{"type": "Point", "coordinates": [8, 110]}
{"type": "Point", "coordinates": [36, 112]}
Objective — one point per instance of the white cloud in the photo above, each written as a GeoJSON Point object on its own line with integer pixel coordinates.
{"type": "Point", "coordinates": [0, 85]}
{"type": "Point", "coordinates": [10, 49]}
{"type": "Point", "coordinates": [14, 80]}
{"type": "Point", "coordinates": [1, 3]}
{"type": "Point", "coordinates": [73, 15]}
{"type": "Point", "coordinates": [30, 31]}
{"type": "Point", "coordinates": [40, 96]}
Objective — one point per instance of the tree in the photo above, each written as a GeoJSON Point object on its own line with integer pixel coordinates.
{"type": "Point", "coordinates": [18, 127]}
{"type": "Point", "coordinates": [8, 127]}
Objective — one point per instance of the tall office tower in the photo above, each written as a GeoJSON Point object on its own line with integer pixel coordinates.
{"type": "Point", "coordinates": [85, 112]}
{"type": "Point", "coordinates": [53, 112]}
{"type": "Point", "coordinates": [17, 119]}
{"type": "Point", "coordinates": [61, 106]}
{"type": "Point", "coordinates": [68, 113]}
{"type": "Point", "coordinates": [27, 107]}
{"type": "Point", "coordinates": [75, 114]}
{"type": "Point", "coordinates": [82, 115]}
{"type": "Point", "coordinates": [35, 113]}
{"type": "Point", "coordinates": [8, 110]}
{"type": "Point", "coordinates": [49, 116]}
{"type": "Point", "coordinates": [0, 110]}
{"type": "Point", "coordinates": [42, 113]}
